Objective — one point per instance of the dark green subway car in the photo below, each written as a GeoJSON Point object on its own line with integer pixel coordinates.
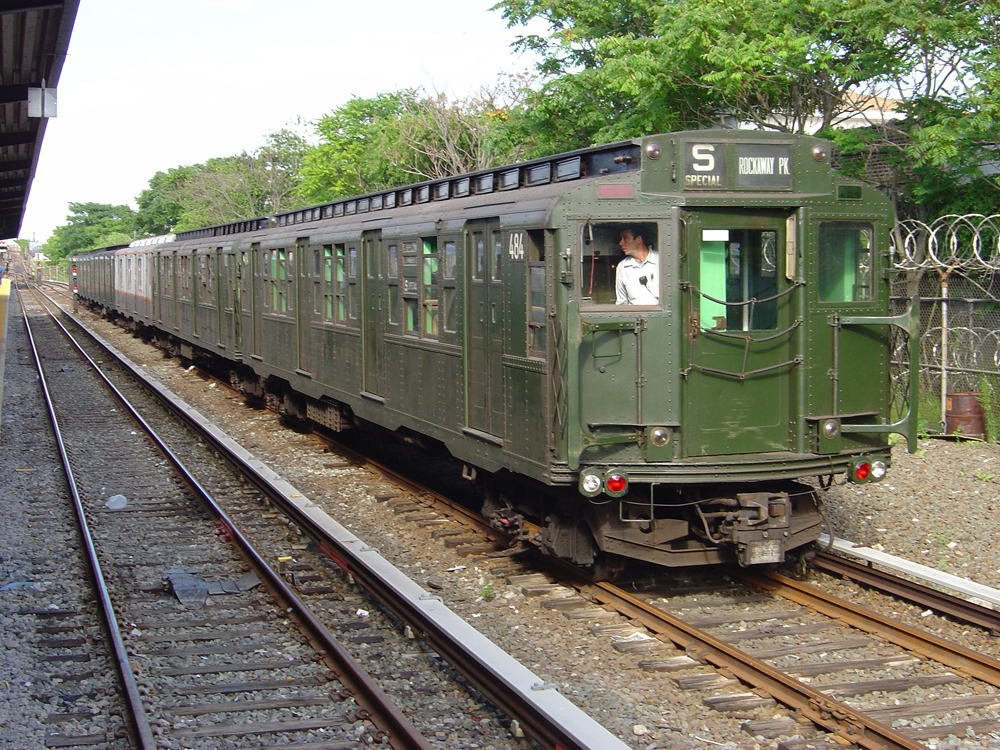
{"type": "Point", "coordinates": [638, 350]}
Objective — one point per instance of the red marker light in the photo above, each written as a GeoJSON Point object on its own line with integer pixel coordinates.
{"type": "Point", "coordinates": [617, 484]}
{"type": "Point", "coordinates": [861, 471]}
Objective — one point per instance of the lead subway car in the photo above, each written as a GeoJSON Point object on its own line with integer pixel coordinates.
{"type": "Point", "coordinates": [478, 312]}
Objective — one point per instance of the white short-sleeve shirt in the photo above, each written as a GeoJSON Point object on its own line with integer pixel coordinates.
{"type": "Point", "coordinates": [638, 283]}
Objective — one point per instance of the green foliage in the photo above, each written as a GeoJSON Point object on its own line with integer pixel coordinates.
{"type": "Point", "coordinates": [350, 157]}
{"type": "Point", "coordinates": [409, 136]}
{"type": "Point", "coordinates": [258, 183]}
{"type": "Point", "coordinates": [486, 591]}
{"type": "Point", "coordinates": [159, 207]}
{"type": "Point", "coordinates": [90, 226]}
{"type": "Point", "coordinates": [621, 69]}
{"type": "Point", "coordinates": [989, 399]}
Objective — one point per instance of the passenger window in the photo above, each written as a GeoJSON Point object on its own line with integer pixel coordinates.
{"type": "Point", "coordinates": [845, 261]}
{"type": "Point", "coordinates": [497, 256]}
{"type": "Point", "coordinates": [739, 279]}
{"type": "Point", "coordinates": [450, 260]}
{"type": "Point", "coordinates": [353, 295]}
{"type": "Point", "coordinates": [449, 287]}
{"type": "Point", "coordinates": [480, 261]}
{"type": "Point", "coordinates": [431, 287]}
{"type": "Point", "coordinates": [536, 309]}
{"type": "Point", "coordinates": [631, 245]}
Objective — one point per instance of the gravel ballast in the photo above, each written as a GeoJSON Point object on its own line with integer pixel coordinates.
{"type": "Point", "coordinates": [935, 507]}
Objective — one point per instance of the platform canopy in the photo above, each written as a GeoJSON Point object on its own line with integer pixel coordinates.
{"type": "Point", "coordinates": [34, 38]}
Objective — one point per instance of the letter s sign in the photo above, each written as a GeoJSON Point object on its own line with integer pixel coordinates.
{"type": "Point", "coordinates": [703, 157]}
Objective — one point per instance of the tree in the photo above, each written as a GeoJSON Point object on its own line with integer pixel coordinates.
{"type": "Point", "coordinates": [90, 226]}
{"type": "Point", "coordinates": [221, 190]}
{"type": "Point", "coordinates": [622, 69]}
{"type": "Point", "coordinates": [159, 210]}
{"type": "Point", "coordinates": [350, 157]}
{"type": "Point", "coordinates": [435, 136]}
{"type": "Point", "coordinates": [409, 136]}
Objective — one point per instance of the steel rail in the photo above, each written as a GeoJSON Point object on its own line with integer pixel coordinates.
{"type": "Point", "coordinates": [141, 730]}
{"type": "Point", "coordinates": [809, 703]}
{"type": "Point", "coordinates": [968, 662]}
{"type": "Point", "coordinates": [402, 733]}
{"type": "Point", "coordinates": [541, 711]}
{"type": "Point", "coordinates": [918, 593]}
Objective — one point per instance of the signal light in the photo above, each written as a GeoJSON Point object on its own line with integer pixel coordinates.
{"type": "Point", "coordinates": [862, 470]}
{"type": "Point", "coordinates": [615, 483]}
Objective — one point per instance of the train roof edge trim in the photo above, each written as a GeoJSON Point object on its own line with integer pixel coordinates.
{"type": "Point", "coordinates": [602, 160]}
{"type": "Point", "coordinates": [146, 241]}
{"type": "Point", "coordinates": [606, 159]}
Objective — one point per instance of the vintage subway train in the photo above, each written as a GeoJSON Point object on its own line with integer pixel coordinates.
{"type": "Point", "coordinates": [479, 314]}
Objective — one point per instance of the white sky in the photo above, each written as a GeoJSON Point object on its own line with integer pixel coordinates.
{"type": "Point", "coordinates": [150, 85]}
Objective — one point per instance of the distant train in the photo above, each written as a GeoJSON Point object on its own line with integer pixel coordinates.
{"type": "Point", "coordinates": [636, 349]}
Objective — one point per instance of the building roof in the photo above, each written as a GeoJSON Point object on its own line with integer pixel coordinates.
{"type": "Point", "coordinates": [34, 39]}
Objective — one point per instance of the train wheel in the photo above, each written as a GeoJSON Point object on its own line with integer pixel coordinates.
{"type": "Point", "coordinates": [606, 567]}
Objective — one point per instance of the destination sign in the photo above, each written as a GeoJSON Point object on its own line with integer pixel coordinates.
{"type": "Point", "coordinates": [721, 166]}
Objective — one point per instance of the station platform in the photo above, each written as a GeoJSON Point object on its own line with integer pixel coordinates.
{"type": "Point", "coordinates": [4, 299]}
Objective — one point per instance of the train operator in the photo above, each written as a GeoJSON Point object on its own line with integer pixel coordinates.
{"type": "Point", "coordinates": [636, 281]}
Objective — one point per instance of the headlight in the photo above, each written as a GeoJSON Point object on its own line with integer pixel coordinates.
{"type": "Point", "coordinates": [831, 428]}
{"type": "Point", "coordinates": [590, 484]}
{"type": "Point", "coordinates": [659, 436]}
{"type": "Point", "coordinates": [878, 470]}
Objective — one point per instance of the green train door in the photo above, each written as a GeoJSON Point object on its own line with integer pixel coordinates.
{"type": "Point", "coordinates": [740, 333]}
{"type": "Point", "coordinates": [484, 332]}
{"type": "Point", "coordinates": [374, 309]}
{"type": "Point", "coordinates": [306, 267]}
{"type": "Point", "coordinates": [239, 262]}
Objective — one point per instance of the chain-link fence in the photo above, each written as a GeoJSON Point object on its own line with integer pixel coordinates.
{"type": "Point", "coordinates": [953, 264]}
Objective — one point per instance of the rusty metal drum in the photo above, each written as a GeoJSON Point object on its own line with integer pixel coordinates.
{"type": "Point", "coordinates": [963, 415]}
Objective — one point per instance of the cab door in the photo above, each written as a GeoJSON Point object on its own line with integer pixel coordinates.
{"type": "Point", "coordinates": [740, 348]}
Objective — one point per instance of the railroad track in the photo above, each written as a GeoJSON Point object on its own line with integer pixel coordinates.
{"type": "Point", "coordinates": [714, 626]}
{"type": "Point", "coordinates": [537, 710]}
{"type": "Point", "coordinates": [209, 657]}
{"type": "Point", "coordinates": [752, 638]}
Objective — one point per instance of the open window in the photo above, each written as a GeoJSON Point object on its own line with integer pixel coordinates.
{"type": "Point", "coordinates": [739, 279]}
{"type": "Point", "coordinates": [602, 252]}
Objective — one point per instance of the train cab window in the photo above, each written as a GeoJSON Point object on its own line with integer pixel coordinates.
{"type": "Point", "coordinates": [602, 254]}
{"type": "Point", "coordinates": [739, 279]}
{"type": "Point", "coordinates": [845, 261]}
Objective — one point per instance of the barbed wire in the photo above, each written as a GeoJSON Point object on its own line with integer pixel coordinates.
{"type": "Point", "coordinates": [969, 243]}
